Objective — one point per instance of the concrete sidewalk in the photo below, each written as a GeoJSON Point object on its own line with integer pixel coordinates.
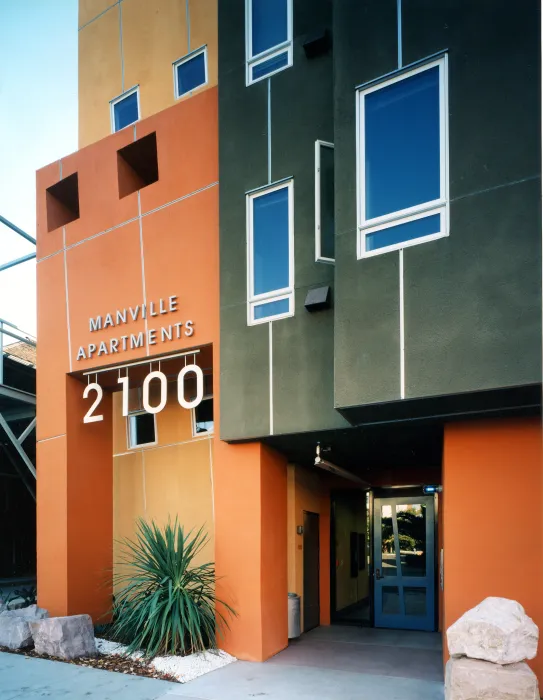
{"type": "Point", "coordinates": [25, 678]}
{"type": "Point", "coordinates": [329, 663]}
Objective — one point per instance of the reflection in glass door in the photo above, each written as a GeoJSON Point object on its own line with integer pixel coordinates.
{"type": "Point", "coordinates": [404, 562]}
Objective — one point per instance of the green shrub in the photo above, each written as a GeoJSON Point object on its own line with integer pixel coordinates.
{"type": "Point", "coordinates": [163, 602]}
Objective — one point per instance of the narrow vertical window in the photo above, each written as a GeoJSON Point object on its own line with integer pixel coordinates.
{"type": "Point", "coordinates": [141, 429]}
{"type": "Point", "coordinates": [125, 109]}
{"type": "Point", "coordinates": [190, 72]}
{"type": "Point", "coordinates": [202, 418]}
{"type": "Point", "coordinates": [402, 160]}
{"type": "Point", "coordinates": [324, 202]}
{"type": "Point", "coordinates": [270, 253]}
{"type": "Point", "coordinates": [268, 37]}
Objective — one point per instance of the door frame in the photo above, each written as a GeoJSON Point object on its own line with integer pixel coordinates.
{"type": "Point", "coordinates": [336, 618]}
{"type": "Point", "coordinates": [402, 492]}
{"type": "Point", "coordinates": [381, 492]}
{"type": "Point", "coordinates": [311, 512]}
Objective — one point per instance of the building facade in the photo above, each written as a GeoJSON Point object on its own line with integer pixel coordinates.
{"type": "Point", "coordinates": [330, 213]}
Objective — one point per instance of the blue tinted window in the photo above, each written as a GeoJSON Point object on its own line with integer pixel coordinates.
{"type": "Point", "coordinates": [270, 241]}
{"type": "Point", "coordinates": [270, 24]}
{"type": "Point", "coordinates": [126, 111]}
{"type": "Point", "coordinates": [402, 167]}
{"type": "Point", "coordinates": [191, 74]}
{"type": "Point", "coordinates": [272, 308]}
{"type": "Point", "coordinates": [404, 232]}
{"type": "Point", "coordinates": [269, 66]}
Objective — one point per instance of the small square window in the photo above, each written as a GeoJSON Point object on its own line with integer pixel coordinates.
{"type": "Point", "coordinates": [403, 194]}
{"type": "Point", "coordinates": [190, 72]}
{"type": "Point", "coordinates": [137, 165]}
{"type": "Point", "coordinates": [125, 109]}
{"type": "Point", "coordinates": [62, 202]}
{"type": "Point", "coordinates": [202, 418]}
{"type": "Point", "coordinates": [268, 37]}
{"type": "Point", "coordinates": [324, 202]}
{"type": "Point", "coordinates": [141, 429]}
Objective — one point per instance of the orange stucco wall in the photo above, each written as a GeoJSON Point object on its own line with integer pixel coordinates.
{"type": "Point", "coordinates": [120, 252]}
{"type": "Point", "coordinates": [492, 517]}
{"type": "Point", "coordinates": [251, 547]}
{"type": "Point", "coordinates": [111, 59]}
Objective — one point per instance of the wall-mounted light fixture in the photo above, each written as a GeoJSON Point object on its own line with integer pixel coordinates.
{"type": "Point", "coordinates": [338, 471]}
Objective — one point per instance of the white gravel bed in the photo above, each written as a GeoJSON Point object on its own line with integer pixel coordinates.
{"type": "Point", "coordinates": [184, 668]}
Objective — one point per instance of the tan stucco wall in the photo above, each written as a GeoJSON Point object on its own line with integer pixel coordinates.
{"type": "Point", "coordinates": [135, 42]}
{"type": "Point", "coordinates": [173, 478]}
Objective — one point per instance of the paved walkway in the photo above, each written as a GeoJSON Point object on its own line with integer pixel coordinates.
{"type": "Point", "coordinates": [329, 663]}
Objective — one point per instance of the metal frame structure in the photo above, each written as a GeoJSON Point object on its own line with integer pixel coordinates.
{"type": "Point", "coordinates": [22, 402]}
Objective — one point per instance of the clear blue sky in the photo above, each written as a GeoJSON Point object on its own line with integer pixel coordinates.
{"type": "Point", "coordinates": [38, 124]}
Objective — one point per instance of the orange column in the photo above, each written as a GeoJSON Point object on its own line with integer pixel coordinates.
{"type": "Point", "coordinates": [492, 517]}
{"type": "Point", "coordinates": [250, 497]}
{"type": "Point", "coordinates": [75, 512]}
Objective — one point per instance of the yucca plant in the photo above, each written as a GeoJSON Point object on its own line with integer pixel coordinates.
{"type": "Point", "coordinates": [164, 603]}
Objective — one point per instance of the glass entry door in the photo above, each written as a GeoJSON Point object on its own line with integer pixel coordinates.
{"type": "Point", "coordinates": [404, 562]}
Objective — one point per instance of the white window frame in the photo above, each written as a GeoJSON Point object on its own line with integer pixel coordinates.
{"type": "Point", "coordinates": [252, 61]}
{"type": "Point", "coordinates": [139, 412]}
{"type": "Point", "coordinates": [318, 235]}
{"type": "Point", "coordinates": [438, 206]}
{"type": "Point", "coordinates": [193, 419]}
{"type": "Point", "coordinates": [277, 294]}
{"type": "Point", "coordinates": [185, 59]}
{"type": "Point", "coordinates": [120, 98]}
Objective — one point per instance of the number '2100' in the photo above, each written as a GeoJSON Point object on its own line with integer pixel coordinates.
{"type": "Point", "coordinates": [90, 416]}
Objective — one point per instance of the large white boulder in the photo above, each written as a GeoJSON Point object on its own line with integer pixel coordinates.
{"type": "Point", "coordinates": [471, 679]}
{"type": "Point", "coordinates": [496, 630]}
{"type": "Point", "coordinates": [15, 626]}
{"type": "Point", "coordinates": [64, 637]}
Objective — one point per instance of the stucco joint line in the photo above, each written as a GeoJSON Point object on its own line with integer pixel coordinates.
{"type": "Point", "coordinates": [144, 484]}
{"type": "Point", "coordinates": [180, 199]}
{"type": "Point", "coordinates": [161, 447]}
{"type": "Point", "coordinates": [530, 178]}
{"type": "Point", "coordinates": [399, 27]}
{"type": "Point", "coordinates": [271, 374]}
{"type": "Point", "coordinates": [98, 16]}
{"type": "Point", "coordinates": [67, 297]}
{"type": "Point", "coordinates": [212, 481]}
{"type": "Point", "coordinates": [187, 13]}
{"type": "Point", "coordinates": [131, 221]}
{"type": "Point", "coordinates": [269, 133]}
{"type": "Point", "coordinates": [143, 272]}
{"type": "Point", "coordinates": [54, 437]}
{"type": "Point", "coordinates": [402, 329]}
{"type": "Point", "coordinates": [121, 44]}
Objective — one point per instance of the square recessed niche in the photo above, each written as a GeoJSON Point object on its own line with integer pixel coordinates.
{"type": "Point", "coordinates": [62, 202]}
{"type": "Point", "coordinates": [137, 165]}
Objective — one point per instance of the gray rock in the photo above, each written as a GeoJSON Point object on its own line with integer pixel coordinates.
{"type": "Point", "coordinates": [64, 637]}
{"type": "Point", "coordinates": [496, 630]}
{"type": "Point", "coordinates": [471, 679]}
{"type": "Point", "coordinates": [15, 626]}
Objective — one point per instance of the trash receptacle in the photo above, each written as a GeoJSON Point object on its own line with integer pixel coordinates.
{"type": "Point", "coordinates": [293, 615]}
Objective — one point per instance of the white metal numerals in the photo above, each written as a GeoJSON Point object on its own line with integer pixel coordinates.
{"type": "Point", "coordinates": [163, 392]}
{"type": "Point", "coordinates": [199, 386]}
{"type": "Point", "coordinates": [89, 417]}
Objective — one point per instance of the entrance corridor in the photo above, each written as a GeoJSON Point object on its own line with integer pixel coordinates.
{"type": "Point", "coordinates": [334, 663]}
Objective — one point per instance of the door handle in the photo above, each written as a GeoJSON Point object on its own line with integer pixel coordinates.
{"type": "Point", "coordinates": [378, 574]}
